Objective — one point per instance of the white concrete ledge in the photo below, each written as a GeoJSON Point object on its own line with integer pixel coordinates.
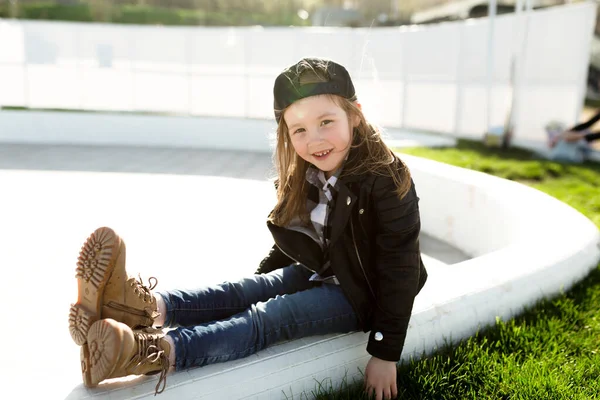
{"type": "Point", "coordinates": [526, 246]}
{"type": "Point", "coordinates": [86, 128]}
{"type": "Point", "coordinates": [123, 129]}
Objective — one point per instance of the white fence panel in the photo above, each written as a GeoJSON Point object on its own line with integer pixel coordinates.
{"type": "Point", "coordinates": [12, 84]}
{"type": "Point", "coordinates": [12, 63]}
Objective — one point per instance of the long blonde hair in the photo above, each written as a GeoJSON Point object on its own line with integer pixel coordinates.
{"type": "Point", "coordinates": [372, 155]}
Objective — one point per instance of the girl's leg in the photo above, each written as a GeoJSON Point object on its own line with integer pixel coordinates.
{"type": "Point", "coordinates": [320, 310]}
{"type": "Point", "coordinates": [193, 307]}
{"type": "Point", "coordinates": [592, 136]}
{"type": "Point", "coordinates": [587, 124]}
{"type": "Point", "coordinates": [171, 343]}
{"type": "Point", "coordinates": [161, 308]}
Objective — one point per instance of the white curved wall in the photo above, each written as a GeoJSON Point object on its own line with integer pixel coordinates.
{"type": "Point", "coordinates": [480, 213]}
{"type": "Point", "coordinates": [527, 244]}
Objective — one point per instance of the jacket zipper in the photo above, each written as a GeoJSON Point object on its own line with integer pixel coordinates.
{"type": "Point", "coordinates": [360, 318]}
{"type": "Point", "coordinates": [350, 299]}
{"type": "Point", "coordinates": [290, 257]}
{"type": "Point", "coordinates": [359, 260]}
{"type": "Point", "coordinates": [362, 268]}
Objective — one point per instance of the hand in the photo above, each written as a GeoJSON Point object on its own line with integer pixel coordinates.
{"type": "Point", "coordinates": [573, 136]}
{"type": "Point", "coordinates": [380, 379]}
{"type": "Point", "coordinates": [567, 136]}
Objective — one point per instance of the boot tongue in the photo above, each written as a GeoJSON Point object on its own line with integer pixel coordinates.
{"type": "Point", "coordinates": [158, 339]}
{"type": "Point", "coordinates": [154, 357]}
{"type": "Point", "coordinates": [146, 350]}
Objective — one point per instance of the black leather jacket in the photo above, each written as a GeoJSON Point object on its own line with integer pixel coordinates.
{"type": "Point", "coordinates": [374, 253]}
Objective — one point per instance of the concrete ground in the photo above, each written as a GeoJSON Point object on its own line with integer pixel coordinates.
{"type": "Point", "coordinates": [180, 211]}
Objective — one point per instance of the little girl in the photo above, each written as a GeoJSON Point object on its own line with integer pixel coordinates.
{"type": "Point", "coordinates": [346, 255]}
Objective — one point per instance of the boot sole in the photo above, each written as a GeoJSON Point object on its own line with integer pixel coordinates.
{"type": "Point", "coordinates": [100, 354]}
{"type": "Point", "coordinates": [95, 265]}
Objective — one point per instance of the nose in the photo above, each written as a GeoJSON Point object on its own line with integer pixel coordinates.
{"type": "Point", "coordinates": [315, 135]}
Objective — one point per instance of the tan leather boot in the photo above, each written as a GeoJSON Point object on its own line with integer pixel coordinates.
{"type": "Point", "coordinates": [105, 290]}
{"type": "Point", "coordinates": [114, 350]}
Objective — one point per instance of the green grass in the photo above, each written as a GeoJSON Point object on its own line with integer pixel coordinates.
{"type": "Point", "coordinates": [149, 15]}
{"type": "Point", "coordinates": [552, 350]}
{"type": "Point", "coordinates": [592, 103]}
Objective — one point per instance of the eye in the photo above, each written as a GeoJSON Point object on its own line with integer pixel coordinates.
{"type": "Point", "coordinates": [299, 130]}
{"type": "Point", "coordinates": [326, 122]}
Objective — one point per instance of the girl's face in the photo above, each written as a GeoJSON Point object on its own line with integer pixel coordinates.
{"type": "Point", "coordinates": [320, 132]}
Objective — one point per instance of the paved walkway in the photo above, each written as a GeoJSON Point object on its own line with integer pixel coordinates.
{"type": "Point", "coordinates": [165, 203]}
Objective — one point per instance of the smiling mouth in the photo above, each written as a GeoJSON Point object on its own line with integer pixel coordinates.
{"type": "Point", "coordinates": [323, 153]}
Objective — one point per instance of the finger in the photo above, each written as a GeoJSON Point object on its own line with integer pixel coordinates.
{"type": "Point", "coordinates": [379, 394]}
{"type": "Point", "coordinates": [394, 392]}
{"type": "Point", "coordinates": [387, 394]}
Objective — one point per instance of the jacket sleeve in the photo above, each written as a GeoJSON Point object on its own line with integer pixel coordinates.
{"type": "Point", "coordinates": [396, 267]}
{"type": "Point", "coordinates": [274, 260]}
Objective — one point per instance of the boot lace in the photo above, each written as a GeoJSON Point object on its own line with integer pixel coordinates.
{"type": "Point", "coordinates": [150, 352]}
{"type": "Point", "coordinates": [144, 292]}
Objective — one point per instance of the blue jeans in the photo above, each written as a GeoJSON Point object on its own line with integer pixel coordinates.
{"type": "Point", "coordinates": [235, 319]}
